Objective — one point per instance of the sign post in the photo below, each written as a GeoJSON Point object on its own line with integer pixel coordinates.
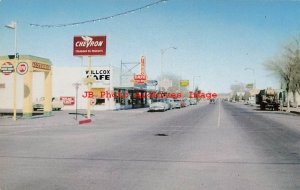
{"type": "Point", "coordinates": [89, 46]}
{"type": "Point", "coordinates": [76, 85]}
{"type": "Point", "coordinates": [89, 89]}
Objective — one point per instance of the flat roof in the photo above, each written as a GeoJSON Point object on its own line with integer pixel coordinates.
{"type": "Point", "coordinates": [28, 57]}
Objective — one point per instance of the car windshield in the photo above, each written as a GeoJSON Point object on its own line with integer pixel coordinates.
{"type": "Point", "coordinates": [159, 100]}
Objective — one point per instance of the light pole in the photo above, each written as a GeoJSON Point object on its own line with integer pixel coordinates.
{"type": "Point", "coordinates": [162, 52]}
{"type": "Point", "coordinates": [13, 25]}
{"type": "Point", "coordinates": [76, 85]}
{"type": "Point", "coordinates": [194, 82]}
{"type": "Point", "coordinates": [253, 72]}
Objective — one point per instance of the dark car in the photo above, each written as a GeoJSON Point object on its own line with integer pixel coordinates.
{"type": "Point", "coordinates": [212, 101]}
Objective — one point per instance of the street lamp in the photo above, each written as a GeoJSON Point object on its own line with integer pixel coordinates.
{"type": "Point", "coordinates": [194, 81]}
{"type": "Point", "coordinates": [76, 85]}
{"type": "Point", "coordinates": [253, 72]}
{"type": "Point", "coordinates": [13, 25]}
{"type": "Point", "coordinates": [162, 52]}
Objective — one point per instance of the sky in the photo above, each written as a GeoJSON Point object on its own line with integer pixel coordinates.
{"type": "Point", "coordinates": [215, 40]}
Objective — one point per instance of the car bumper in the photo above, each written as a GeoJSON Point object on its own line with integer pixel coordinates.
{"type": "Point", "coordinates": [156, 108]}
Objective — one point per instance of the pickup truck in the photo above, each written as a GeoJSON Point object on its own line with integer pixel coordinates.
{"type": "Point", "coordinates": [57, 104]}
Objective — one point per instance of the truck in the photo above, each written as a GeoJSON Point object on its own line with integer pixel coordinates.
{"type": "Point", "coordinates": [268, 99]}
{"type": "Point", "coordinates": [57, 104]}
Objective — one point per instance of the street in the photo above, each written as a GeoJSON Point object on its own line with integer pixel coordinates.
{"type": "Point", "coordinates": [207, 146]}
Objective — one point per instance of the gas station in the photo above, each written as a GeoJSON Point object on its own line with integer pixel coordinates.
{"type": "Point", "coordinates": [16, 83]}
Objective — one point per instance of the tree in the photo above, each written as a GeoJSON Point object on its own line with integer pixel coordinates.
{"type": "Point", "coordinates": [287, 69]}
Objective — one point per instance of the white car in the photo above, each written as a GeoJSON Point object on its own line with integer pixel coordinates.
{"type": "Point", "coordinates": [186, 102]}
{"type": "Point", "coordinates": [193, 101]}
{"type": "Point", "coordinates": [57, 104]}
{"type": "Point", "coordinates": [159, 105]}
{"type": "Point", "coordinates": [171, 103]}
{"type": "Point", "coordinates": [178, 103]}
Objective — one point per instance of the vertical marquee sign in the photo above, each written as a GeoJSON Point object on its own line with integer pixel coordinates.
{"type": "Point", "coordinates": [89, 46]}
{"type": "Point", "coordinates": [142, 77]}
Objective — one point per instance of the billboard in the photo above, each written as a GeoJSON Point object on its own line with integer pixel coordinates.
{"type": "Point", "coordinates": [89, 45]}
{"type": "Point", "coordinates": [184, 83]}
{"type": "Point", "coordinates": [249, 86]}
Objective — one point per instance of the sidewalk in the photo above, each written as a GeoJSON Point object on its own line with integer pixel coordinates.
{"type": "Point", "coordinates": [292, 110]}
{"type": "Point", "coordinates": [61, 118]}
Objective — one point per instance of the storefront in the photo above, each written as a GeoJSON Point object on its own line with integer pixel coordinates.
{"type": "Point", "coordinates": [131, 97]}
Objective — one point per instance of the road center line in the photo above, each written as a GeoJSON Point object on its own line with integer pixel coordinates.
{"type": "Point", "coordinates": [219, 115]}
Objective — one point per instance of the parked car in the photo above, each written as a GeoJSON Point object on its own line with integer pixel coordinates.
{"type": "Point", "coordinates": [159, 105]}
{"type": "Point", "coordinates": [171, 103]}
{"type": "Point", "coordinates": [186, 102]}
{"type": "Point", "coordinates": [57, 104]}
{"type": "Point", "coordinates": [212, 101]}
{"type": "Point", "coordinates": [193, 101]}
{"type": "Point", "coordinates": [178, 103]}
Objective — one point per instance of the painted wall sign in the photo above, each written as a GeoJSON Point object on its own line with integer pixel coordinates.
{"type": "Point", "coordinates": [99, 74]}
{"type": "Point", "coordinates": [89, 45]}
{"type": "Point", "coordinates": [41, 66]}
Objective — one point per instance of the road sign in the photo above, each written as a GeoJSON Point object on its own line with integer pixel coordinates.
{"type": "Point", "coordinates": [22, 68]}
{"type": "Point", "coordinates": [7, 68]}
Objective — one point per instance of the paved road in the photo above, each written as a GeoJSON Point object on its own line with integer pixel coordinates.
{"type": "Point", "coordinates": [222, 146]}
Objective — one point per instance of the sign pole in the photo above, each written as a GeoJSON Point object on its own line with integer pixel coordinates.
{"type": "Point", "coordinates": [15, 90]}
{"type": "Point", "coordinates": [89, 89]}
{"type": "Point", "coordinates": [15, 77]}
{"type": "Point", "coordinates": [89, 46]}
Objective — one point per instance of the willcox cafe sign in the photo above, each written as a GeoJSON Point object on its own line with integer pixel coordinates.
{"type": "Point", "coordinates": [100, 75]}
{"type": "Point", "coordinates": [89, 45]}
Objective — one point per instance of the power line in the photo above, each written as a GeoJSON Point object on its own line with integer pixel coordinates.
{"type": "Point", "coordinates": [97, 19]}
